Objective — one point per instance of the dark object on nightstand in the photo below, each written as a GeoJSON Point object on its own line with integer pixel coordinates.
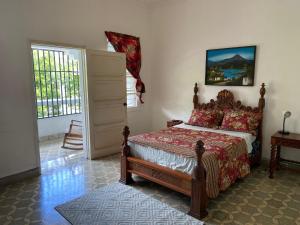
{"type": "Point", "coordinates": [286, 115]}
{"type": "Point", "coordinates": [277, 140]}
{"type": "Point", "coordinates": [172, 123]}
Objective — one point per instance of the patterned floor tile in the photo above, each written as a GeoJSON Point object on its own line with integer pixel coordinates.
{"type": "Point", "coordinates": [66, 175]}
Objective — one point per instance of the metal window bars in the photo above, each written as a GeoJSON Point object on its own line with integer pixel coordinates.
{"type": "Point", "coordinates": [57, 83]}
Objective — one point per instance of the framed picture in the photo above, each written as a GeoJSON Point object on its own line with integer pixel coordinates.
{"type": "Point", "coordinates": [230, 66]}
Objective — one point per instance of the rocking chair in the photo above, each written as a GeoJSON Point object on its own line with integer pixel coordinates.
{"type": "Point", "coordinates": [73, 139]}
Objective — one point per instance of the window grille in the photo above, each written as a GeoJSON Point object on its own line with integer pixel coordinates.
{"type": "Point", "coordinates": [57, 83]}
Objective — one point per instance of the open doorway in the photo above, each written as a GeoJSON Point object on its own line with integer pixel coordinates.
{"type": "Point", "coordinates": [78, 84]}
{"type": "Point", "coordinates": [58, 83]}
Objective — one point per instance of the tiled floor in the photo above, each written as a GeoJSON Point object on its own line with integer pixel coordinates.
{"type": "Point", "coordinates": [53, 156]}
{"type": "Point", "coordinates": [66, 174]}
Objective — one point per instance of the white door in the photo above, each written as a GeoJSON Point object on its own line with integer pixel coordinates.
{"type": "Point", "coordinates": [106, 102]}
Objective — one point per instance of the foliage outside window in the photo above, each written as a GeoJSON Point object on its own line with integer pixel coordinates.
{"type": "Point", "coordinates": [57, 86]}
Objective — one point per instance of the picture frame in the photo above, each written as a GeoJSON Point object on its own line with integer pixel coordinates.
{"type": "Point", "coordinates": [233, 66]}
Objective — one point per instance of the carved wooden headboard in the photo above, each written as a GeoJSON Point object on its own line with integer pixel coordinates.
{"type": "Point", "coordinates": [225, 100]}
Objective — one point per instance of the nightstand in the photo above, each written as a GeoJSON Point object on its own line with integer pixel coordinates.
{"type": "Point", "coordinates": [171, 123]}
{"type": "Point", "coordinates": [277, 140]}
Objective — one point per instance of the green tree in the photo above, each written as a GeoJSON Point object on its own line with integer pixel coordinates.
{"type": "Point", "coordinates": [56, 83]}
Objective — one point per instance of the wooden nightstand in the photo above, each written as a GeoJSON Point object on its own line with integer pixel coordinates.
{"type": "Point", "coordinates": [171, 123]}
{"type": "Point", "coordinates": [277, 140]}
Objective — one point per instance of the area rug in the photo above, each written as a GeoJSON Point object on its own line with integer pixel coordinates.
{"type": "Point", "coordinates": [123, 205]}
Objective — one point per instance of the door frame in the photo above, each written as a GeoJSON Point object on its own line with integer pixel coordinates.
{"type": "Point", "coordinates": [83, 80]}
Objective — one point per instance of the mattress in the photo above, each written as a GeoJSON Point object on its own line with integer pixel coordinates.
{"type": "Point", "coordinates": [177, 162]}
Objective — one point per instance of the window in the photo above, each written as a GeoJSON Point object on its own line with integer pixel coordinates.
{"type": "Point", "coordinates": [132, 100]}
{"type": "Point", "coordinates": [131, 91]}
{"type": "Point", "coordinates": [56, 80]}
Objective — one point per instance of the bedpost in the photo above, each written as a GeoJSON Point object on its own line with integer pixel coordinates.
{"type": "Point", "coordinates": [125, 175]}
{"type": "Point", "coordinates": [195, 98]}
{"type": "Point", "coordinates": [261, 106]}
{"type": "Point", "coordinates": [261, 103]}
{"type": "Point", "coordinates": [199, 198]}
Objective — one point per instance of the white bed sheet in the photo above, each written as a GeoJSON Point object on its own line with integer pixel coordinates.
{"type": "Point", "coordinates": [177, 162]}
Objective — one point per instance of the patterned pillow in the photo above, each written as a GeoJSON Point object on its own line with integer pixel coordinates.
{"type": "Point", "coordinates": [254, 120]}
{"type": "Point", "coordinates": [241, 121]}
{"type": "Point", "coordinates": [204, 118]}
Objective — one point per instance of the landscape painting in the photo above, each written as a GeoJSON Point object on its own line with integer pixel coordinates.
{"type": "Point", "coordinates": [230, 66]}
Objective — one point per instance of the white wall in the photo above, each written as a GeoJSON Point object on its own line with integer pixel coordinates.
{"type": "Point", "coordinates": [56, 125]}
{"type": "Point", "coordinates": [184, 30]}
{"type": "Point", "coordinates": [75, 22]}
{"type": "Point", "coordinates": [174, 36]}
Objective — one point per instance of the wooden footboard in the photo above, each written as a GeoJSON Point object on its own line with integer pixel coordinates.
{"type": "Point", "coordinates": [193, 186]}
{"type": "Point", "coordinates": [164, 176]}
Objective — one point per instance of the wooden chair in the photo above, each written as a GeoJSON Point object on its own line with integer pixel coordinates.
{"type": "Point", "coordinates": [73, 139]}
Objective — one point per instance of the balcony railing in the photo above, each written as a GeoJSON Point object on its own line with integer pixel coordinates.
{"type": "Point", "coordinates": [57, 83]}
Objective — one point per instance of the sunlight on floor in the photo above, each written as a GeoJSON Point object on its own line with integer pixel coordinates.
{"type": "Point", "coordinates": [54, 156]}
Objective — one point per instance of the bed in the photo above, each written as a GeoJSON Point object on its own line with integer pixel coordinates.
{"type": "Point", "coordinates": [196, 161]}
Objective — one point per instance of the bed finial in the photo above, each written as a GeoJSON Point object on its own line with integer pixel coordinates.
{"type": "Point", "coordinates": [261, 103]}
{"type": "Point", "coordinates": [126, 177]}
{"type": "Point", "coordinates": [125, 133]}
{"type": "Point", "coordinates": [199, 152]}
{"type": "Point", "coordinates": [195, 98]}
{"type": "Point", "coordinates": [199, 198]}
{"type": "Point", "coordinates": [261, 106]}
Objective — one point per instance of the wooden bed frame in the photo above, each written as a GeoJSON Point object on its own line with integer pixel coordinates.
{"type": "Point", "coordinates": [191, 185]}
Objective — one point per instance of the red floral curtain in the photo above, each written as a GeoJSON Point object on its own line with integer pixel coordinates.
{"type": "Point", "coordinates": [129, 45]}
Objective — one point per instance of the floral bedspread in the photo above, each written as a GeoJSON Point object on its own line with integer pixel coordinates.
{"type": "Point", "coordinates": [225, 158]}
